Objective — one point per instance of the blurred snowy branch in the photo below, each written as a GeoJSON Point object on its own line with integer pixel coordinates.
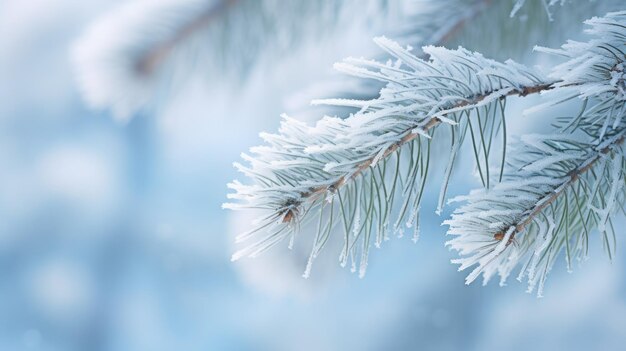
{"type": "Point", "coordinates": [145, 49]}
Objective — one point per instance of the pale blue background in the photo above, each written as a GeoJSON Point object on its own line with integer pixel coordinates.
{"type": "Point", "coordinates": [112, 236]}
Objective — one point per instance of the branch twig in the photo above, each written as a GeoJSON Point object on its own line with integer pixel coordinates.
{"type": "Point", "coordinates": [409, 136]}
{"type": "Point", "coordinates": [572, 177]}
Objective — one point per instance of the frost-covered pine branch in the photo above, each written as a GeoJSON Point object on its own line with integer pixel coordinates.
{"type": "Point", "coordinates": [354, 175]}
{"type": "Point", "coordinates": [144, 49]}
{"type": "Point", "coordinates": [365, 175]}
{"type": "Point", "coordinates": [563, 187]}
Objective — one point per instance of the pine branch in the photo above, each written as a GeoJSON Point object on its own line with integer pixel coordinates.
{"type": "Point", "coordinates": [533, 214]}
{"type": "Point", "coordinates": [409, 134]}
{"type": "Point", "coordinates": [350, 173]}
{"type": "Point", "coordinates": [571, 178]}
{"type": "Point", "coordinates": [562, 186]}
{"type": "Point", "coordinates": [302, 168]}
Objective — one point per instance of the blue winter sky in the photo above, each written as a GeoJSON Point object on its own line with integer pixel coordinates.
{"type": "Point", "coordinates": [112, 235]}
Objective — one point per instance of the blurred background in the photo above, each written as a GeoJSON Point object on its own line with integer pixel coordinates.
{"type": "Point", "coordinates": [112, 235]}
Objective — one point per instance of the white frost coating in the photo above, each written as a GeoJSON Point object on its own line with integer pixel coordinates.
{"type": "Point", "coordinates": [295, 167]}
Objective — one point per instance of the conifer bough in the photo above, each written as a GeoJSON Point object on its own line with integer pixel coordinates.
{"type": "Point", "coordinates": [365, 175]}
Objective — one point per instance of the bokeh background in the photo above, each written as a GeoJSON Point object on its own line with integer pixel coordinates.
{"type": "Point", "coordinates": [112, 235]}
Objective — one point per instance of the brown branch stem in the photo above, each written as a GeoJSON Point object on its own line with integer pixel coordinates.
{"type": "Point", "coordinates": [572, 177]}
{"type": "Point", "coordinates": [409, 136]}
